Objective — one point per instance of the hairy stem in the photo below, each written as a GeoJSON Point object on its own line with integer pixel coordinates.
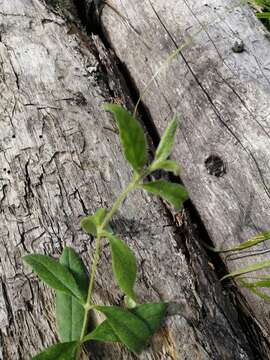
{"type": "Point", "coordinates": [118, 202]}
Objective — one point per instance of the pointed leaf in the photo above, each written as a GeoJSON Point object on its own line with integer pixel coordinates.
{"type": "Point", "coordinates": [257, 266]}
{"type": "Point", "coordinates": [92, 222]}
{"type": "Point", "coordinates": [262, 283]}
{"type": "Point", "coordinates": [166, 143]}
{"type": "Point", "coordinates": [103, 332]}
{"type": "Point", "coordinates": [61, 351]}
{"type": "Point", "coordinates": [251, 242]}
{"type": "Point", "coordinates": [152, 314]}
{"type": "Point", "coordinates": [176, 194]}
{"type": "Point", "coordinates": [167, 165]}
{"type": "Point", "coordinates": [54, 274]}
{"type": "Point", "coordinates": [131, 135]}
{"type": "Point", "coordinates": [131, 330]}
{"type": "Point", "coordinates": [124, 265]}
{"type": "Point", "coordinates": [69, 312]}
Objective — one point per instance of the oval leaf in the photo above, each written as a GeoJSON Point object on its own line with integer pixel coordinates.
{"type": "Point", "coordinates": [131, 330]}
{"type": "Point", "coordinates": [70, 313]}
{"type": "Point", "coordinates": [167, 165]}
{"type": "Point", "coordinates": [61, 351]}
{"type": "Point", "coordinates": [54, 274]}
{"type": "Point", "coordinates": [175, 193]}
{"type": "Point", "coordinates": [103, 332]}
{"type": "Point", "coordinates": [92, 222]}
{"type": "Point", "coordinates": [166, 143]}
{"type": "Point", "coordinates": [152, 314]}
{"type": "Point", "coordinates": [124, 265]}
{"type": "Point", "coordinates": [131, 135]}
{"type": "Point", "coordinates": [254, 267]}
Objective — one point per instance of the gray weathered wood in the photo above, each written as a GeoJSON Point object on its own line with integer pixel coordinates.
{"type": "Point", "coordinates": [223, 99]}
{"type": "Point", "coordinates": [60, 159]}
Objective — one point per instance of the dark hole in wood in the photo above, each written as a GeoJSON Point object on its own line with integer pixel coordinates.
{"type": "Point", "coordinates": [40, 136]}
{"type": "Point", "coordinates": [215, 166]}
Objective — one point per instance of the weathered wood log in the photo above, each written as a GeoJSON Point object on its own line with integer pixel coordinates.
{"type": "Point", "coordinates": [220, 86]}
{"type": "Point", "coordinates": [61, 159]}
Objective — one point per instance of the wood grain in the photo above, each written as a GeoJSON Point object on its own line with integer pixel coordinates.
{"type": "Point", "coordinates": [223, 100]}
{"type": "Point", "coordinates": [60, 159]}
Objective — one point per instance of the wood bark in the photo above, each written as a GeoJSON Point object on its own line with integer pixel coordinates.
{"type": "Point", "coordinates": [220, 87]}
{"type": "Point", "coordinates": [60, 160]}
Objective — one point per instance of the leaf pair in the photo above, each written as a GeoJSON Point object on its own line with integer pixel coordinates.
{"type": "Point", "coordinates": [134, 143]}
{"type": "Point", "coordinates": [123, 259]}
{"type": "Point", "coordinates": [133, 328]}
{"type": "Point", "coordinates": [92, 223]}
{"type": "Point", "coordinates": [69, 277]}
{"type": "Point", "coordinates": [135, 150]}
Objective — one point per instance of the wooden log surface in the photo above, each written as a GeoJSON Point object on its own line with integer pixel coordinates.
{"type": "Point", "coordinates": [60, 159]}
{"type": "Point", "coordinates": [220, 87]}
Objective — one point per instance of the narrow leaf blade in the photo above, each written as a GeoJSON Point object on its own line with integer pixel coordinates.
{"type": "Point", "coordinates": [69, 312]}
{"type": "Point", "coordinates": [256, 284]}
{"type": "Point", "coordinates": [124, 265]}
{"type": "Point", "coordinates": [166, 143]}
{"type": "Point", "coordinates": [61, 351]}
{"type": "Point", "coordinates": [167, 165]}
{"type": "Point", "coordinates": [251, 268]}
{"type": "Point", "coordinates": [252, 242]}
{"type": "Point", "coordinates": [131, 135]}
{"type": "Point", "coordinates": [54, 274]}
{"type": "Point", "coordinates": [175, 193]}
{"type": "Point", "coordinates": [257, 292]}
{"type": "Point", "coordinates": [131, 330]}
{"type": "Point", "coordinates": [92, 222]}
{"type": "Point", "coordinates": [103, 332]}
{"type": "Point", "coordinates": [152, 314]}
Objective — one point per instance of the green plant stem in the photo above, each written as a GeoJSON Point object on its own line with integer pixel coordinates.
{"type": "Point", "coordinates": [118, 202]}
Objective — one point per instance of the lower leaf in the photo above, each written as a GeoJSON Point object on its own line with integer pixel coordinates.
{"type": "Point", "coordinates": [131, 330]}
{"type": "Point", "coordinates": [152, 314]}
{"type": "Point", "coordinates": [103, 332]}
{"type": "Point", "coordinates": [61, 351]}
{"type": "Point", "coordinates": [69, 312]}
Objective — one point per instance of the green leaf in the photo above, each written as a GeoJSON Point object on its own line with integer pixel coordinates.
{"type": "Point", "coordinates": [257, 266]}
{"type": "Point", "coordinates": [131, 330]}
{"type": "Point", "coordinates": [263, 15]}
{"type": "Point", "coordinates": [54, 274]}
{"type": "Point", "coordinates": [61, 351]}
{"type": "Point", "coordinates": [167, 165]}
{"type": "Point", "coordinates": [262, 283]}
{"type": "Point", "coordinates": [91, 223]}
{"type": "Point", "coordinates": [70, 313]}
{"type": "Point", "coordinates": [257, 292]}
{"type": "Point", "coordinates": [152, 314]}
{"type": "Point", "coordinates": [176, 194]}
{"type": "Point", "coordinates": [251, 242]}
{"type": "Point", "coordinates": [166, 143]}
{"type": "Point", "coordinates": [124, 265]}
{"type": "Point", "coordinates": [102, 332]}
{"type": "Point", "coordinates": [131, 135]}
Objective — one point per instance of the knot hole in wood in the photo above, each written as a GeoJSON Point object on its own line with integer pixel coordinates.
{"type": "Point", "coordinates": [215, 166]}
